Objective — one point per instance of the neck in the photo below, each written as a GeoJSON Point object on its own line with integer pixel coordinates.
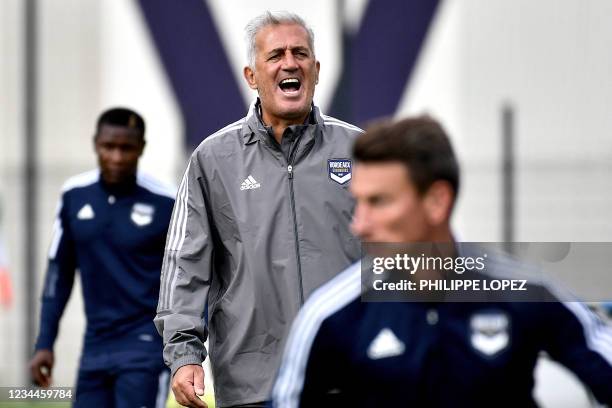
{"type": "Point", "coordinates": [118, 186]}
{"type": "Point", "coordinates": [441, 234]}
{"type": "Point", "coordinates": [280, 124]}
{"type": "Point", "coordinates": [442, 246]}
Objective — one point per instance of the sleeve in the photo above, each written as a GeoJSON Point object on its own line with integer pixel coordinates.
{"type": "Point", "coordinates": [58, 280]}
{"type": "Point", "coordinates": [581, 341]}
{"type": "Point", "coordinates": [186, 273]}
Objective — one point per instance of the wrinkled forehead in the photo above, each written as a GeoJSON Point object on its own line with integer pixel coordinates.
{"type": "Point", "coordinates": [281, 36]}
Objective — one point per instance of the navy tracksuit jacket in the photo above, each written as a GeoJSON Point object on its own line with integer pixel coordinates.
{"type": "Point", "coordinates": [346, 352]}
{"type": "Point", "coordinates": [115, 237]}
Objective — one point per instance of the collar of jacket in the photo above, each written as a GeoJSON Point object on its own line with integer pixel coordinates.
{"type": "Point", "coordinates": [124, 188]}
{"type": "Point", "coordinates": [253, 130]}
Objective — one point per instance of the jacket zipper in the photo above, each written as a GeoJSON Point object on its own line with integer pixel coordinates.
{"type": "Point", "coordinates": [295, 227]}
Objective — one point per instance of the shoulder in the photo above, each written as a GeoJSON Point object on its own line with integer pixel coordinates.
{"type": "Point", "coordinates": [154, 186]}
{"type": "Point", "coordinates": [499, 264]}
{"type": "Point", "coordinates": [551, 296]}
{"type": "Point", "coordinates": [81, 180]}
{"type": "Point", "coordinates": [340, 127]}
{"type": "Point", "coordinates": [221, 137]}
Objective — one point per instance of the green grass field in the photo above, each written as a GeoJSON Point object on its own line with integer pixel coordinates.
{"type": "Point", "coordinates": [208, 398]}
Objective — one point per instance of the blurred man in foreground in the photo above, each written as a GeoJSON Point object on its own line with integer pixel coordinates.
{"type": "Point", "coordinates": [261, 220]}
{"type": "Point", "coordinates": [343, 351]}
{"type": "Point", "coordinates": [111, 225]}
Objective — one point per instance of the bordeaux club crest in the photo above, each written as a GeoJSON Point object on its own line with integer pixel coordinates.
{"type": "Point", "coordinates": [490, 332]}
{"type": "Point", "coordinates": [340, 170]}
{"type": "Point", "coordinates": [142, 214]}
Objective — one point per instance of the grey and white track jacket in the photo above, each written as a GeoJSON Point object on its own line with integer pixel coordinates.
{"type": "Point", "coordinates": [255, 229]}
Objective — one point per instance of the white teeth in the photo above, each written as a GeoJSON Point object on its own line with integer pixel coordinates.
{"type": "Point", "coordinates": [290, 81]}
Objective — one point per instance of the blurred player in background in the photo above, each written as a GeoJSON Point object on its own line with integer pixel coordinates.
{"type": "Point", "coordinates": [345, 352]}
{"type": "Point", "coordinates": [6, 288]}
{"type": "Point", "coordinates": [261, 219]}
{"type": "Point", "coordinates": [111, 225]}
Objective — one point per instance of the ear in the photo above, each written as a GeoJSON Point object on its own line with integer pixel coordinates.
{"type": "Point", "coordinates": [249, 75]}
{"type": "Point", "coordinates": [142, 146]}
{"type": "Point", "coordinates": [318, 66]}
{"type": "Point", "coordinates": [438, 202]}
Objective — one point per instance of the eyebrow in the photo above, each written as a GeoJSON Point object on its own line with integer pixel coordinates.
{"type": "Point", "coordinates": [282, 49]}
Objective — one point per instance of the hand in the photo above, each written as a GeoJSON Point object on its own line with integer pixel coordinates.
{"type": "Point", "coordinates": [41, 366]}
{"type": "Point", "coordinates": [188, 386]}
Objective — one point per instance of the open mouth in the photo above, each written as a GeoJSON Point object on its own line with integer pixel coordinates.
{"type": "Point", "coordinates": [290, 85]}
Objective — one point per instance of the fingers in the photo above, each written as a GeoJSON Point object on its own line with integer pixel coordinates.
{"type": "Point", "coordinates": [37, 375]}
{"type": "Point", "coordinates": [183, 386]}
{"type": "Point", "coordinates": [46, 372]}
{"type": "Point", "coordinates": [40, 368]}
{"type": "Point", "coordinates": [198, 381]}
{"type": "Point", "coordinates": [186, 396]}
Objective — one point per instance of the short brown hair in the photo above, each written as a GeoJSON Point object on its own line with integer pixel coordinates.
{"type": "Point", "coordinates": [418, 142]}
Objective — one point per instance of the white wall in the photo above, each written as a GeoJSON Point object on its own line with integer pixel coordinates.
{"type": "Point", "coordinates": [550, 59]}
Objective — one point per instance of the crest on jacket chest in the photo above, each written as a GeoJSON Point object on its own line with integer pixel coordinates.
{"type": "Point", "coordinates": [340, 170]}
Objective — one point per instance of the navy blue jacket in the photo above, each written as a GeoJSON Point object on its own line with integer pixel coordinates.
{"type": "Point", "coordinates": [345, 352]}
{"type": "Point", "coordinates": [115, 237]}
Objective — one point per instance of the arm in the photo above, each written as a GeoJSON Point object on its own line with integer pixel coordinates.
{"type": "Point", "coordinates": [582, 342]}
{"type": "Point", "coordinates": [58, 286]}
{"type": "Point", "coordinates": [185, 282]}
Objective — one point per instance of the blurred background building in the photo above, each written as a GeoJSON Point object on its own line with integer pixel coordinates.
{"type": "Point", "coordinates": [537, 72]}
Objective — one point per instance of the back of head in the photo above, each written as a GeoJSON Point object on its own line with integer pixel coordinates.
{"type": "Point", "coordinates": [272, 18]}
{"type": "Point", "coordinates": [420, 143]}
{"type": "Point", "coordinates": [122, 117]}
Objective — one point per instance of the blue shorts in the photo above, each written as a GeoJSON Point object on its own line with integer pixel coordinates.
{"type": "Point", "coordinates": [122, 379]}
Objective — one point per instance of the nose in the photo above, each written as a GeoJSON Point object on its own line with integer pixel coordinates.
{"type": "Point", "coordinates": [116, 156]}
{"type": "Point", "coordinates": [360, 226]}
{"type": "Point", "coordinates": [289, 62]}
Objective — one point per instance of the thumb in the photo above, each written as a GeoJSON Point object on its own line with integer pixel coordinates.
{"type": "Point", "coordinates": [47, 366]}
{"type": "Point", "coordinates": [198, 380]}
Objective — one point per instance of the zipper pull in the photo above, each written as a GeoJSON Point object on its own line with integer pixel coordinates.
{"type": "Point", "coordinates": [290, 171]}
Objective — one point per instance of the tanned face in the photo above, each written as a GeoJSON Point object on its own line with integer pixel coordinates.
{"type": "Point", "coordinates": [285, 73]}
{"type": "Point", "coordinates": [389, 208]}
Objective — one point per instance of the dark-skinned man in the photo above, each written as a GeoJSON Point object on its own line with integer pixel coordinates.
{"type": "Point", "coordinates": [111, 225]}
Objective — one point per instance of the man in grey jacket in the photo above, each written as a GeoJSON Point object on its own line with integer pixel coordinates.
{"type": "Point", "coordinates": [261, 219]}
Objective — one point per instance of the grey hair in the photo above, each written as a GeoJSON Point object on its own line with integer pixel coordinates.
{"type": "Point", "coordinates": [272, 18]}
